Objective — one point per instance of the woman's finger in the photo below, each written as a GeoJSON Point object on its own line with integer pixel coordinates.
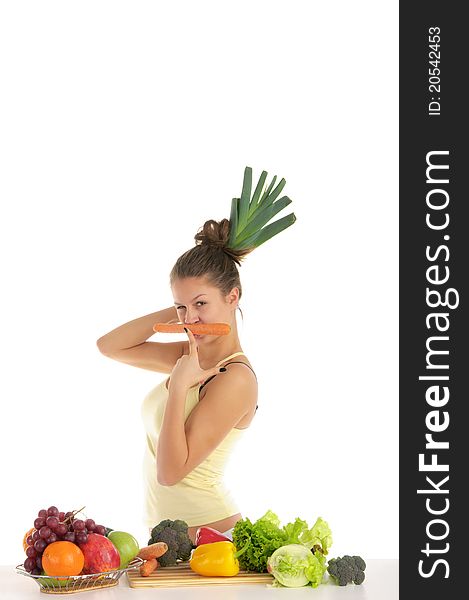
{"type": "Point", "coordinates": [210, 373]}
{"type": "Point", "coordinates": [214, 371]}
{"type": "Point", "coordinates": [192, 342]}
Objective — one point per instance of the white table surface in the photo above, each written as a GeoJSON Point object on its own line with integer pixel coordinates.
{"type": "Point", "coordinates": [381, 583]}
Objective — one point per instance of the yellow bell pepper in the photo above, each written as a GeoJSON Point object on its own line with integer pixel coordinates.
{"type": "Point", "coordinates": [216, 559]}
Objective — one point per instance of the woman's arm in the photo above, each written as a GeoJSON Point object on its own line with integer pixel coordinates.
{"type": "Point", "coordinates": [183, 446]}
{"type": "Point", "coordinates": [127, 343]}
{"type": "Point", "coordinates": [134, 332]}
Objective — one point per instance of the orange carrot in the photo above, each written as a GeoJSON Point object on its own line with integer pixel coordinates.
{"type": "Point", "coordinates": [153, 551]}
{"type": "Point", "coordinates": [199, 328]}
{"type": "Point", "coordinates": [148, 567]}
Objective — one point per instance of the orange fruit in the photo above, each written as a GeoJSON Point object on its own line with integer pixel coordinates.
{"type": "Point", "coordinates": [26, 535]}
{"type": "Point", "coordinates": [62, 558]}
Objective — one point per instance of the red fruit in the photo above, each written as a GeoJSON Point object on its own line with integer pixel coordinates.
{"type": "Point", "coordinates": [100, 529]}
{"type": "Point", "coordinates": [208, 535]}
{"type": "Point", "coordinates": [100, 554]}
{"type": "Point", "coordinates": [90, 524]}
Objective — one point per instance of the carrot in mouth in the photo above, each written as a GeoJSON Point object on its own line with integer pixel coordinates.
{"type": "Point", "coordinates": [196, 328]}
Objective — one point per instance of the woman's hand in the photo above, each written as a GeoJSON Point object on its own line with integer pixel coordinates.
{"type": "Point", "coordinates": [187, 371]}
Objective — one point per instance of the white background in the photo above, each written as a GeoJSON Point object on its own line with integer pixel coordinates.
{"type": "Point", "coordinates": [126, 125]}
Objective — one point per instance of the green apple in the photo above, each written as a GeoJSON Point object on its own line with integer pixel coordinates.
{"type": "Point", "coordinates": [52, 582]}
{"type": "Point", "coordinates": [126, 545]}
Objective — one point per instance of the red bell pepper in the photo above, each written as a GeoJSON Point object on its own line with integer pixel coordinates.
{"type": "Point", "coordinates": [208, 535]}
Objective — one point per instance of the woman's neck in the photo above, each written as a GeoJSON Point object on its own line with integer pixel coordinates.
{"type": "Point", "coordinates": [223, 346]}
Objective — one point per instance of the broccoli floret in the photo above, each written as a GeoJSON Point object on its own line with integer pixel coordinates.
{"type": "Point", "coordinates": [179, 525]}
{"type": "Point", "coordinates": [332, 568]}
{"type": "Point", "coordinates": [347, 569]}
{"type": "Point", "coordinates": [361, 564]}
{"type": "Point", "coordinates": [359, 577]}
{"type": "Point", "coordinates": [341, 570]}
{"type": "Point", "coordinates": [170, 537]}
{"type": "Point", "coordinates": [158, 528]}
{"type": "Point", "coordinates": [185, 546]}
{"type": "Point", "coordinates": [174, 534]}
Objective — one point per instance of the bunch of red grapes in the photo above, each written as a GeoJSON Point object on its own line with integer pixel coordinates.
{"type": "Point", "coordinates": [51, 526]}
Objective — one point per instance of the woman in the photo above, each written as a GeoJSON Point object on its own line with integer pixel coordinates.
{"type": "Point", "coordinates": [194, 418]}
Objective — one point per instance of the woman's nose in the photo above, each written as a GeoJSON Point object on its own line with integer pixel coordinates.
{"type": "Point", "coordinates": [191, 318]}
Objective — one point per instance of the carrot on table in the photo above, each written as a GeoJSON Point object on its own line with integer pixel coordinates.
{"type": "Point", "coordinates": [198, 328]}
{"type": "Point", "coordinates": [148, 567]}
{"type": "Point", "coordinates": [153, 551]}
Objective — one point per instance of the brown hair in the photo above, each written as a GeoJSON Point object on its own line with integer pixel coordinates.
{"type": "Point", "coordinates": [211, 258]}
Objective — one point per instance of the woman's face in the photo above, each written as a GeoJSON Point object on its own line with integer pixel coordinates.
{"type": "Point", "coordinates": [197, 301]}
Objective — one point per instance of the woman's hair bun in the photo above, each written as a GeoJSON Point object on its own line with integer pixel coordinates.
{"type": "Point", "coordinates": [214, 233]}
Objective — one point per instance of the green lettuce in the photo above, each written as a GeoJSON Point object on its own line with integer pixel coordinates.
{"type": "Point", "coordinates": [318, 537]}
{"type": "Point", "coordinates": [266, 535]}
{"type": "Point", "coordinates": [294, 565]}
{"type": "Point", "coordinates": [296, 530]}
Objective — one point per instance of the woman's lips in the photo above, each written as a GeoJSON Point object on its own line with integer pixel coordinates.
{"type": "Point", "coordinates": [197, 335]}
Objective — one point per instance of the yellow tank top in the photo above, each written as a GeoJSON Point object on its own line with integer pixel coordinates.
{"type": "Point", "coordinates": [201, 497]}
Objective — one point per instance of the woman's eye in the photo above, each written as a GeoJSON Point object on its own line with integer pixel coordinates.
{"type": "Point", "coordinates": [181, 307]}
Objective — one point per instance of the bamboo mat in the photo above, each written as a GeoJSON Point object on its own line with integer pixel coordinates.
{"type": "Point", "coordinates": [182, 575]}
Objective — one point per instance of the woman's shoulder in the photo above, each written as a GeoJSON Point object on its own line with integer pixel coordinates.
{"type": "Point", "coordinates": [239, 369]}
{"type": "Point", "coordinates": [237, 363]}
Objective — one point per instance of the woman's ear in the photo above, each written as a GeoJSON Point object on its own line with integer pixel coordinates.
{"type": "Point", "coordinates": [233, 296]}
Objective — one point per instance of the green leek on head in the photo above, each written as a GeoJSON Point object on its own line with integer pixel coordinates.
{"type": "Point", "coordinates": [250, 215]}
